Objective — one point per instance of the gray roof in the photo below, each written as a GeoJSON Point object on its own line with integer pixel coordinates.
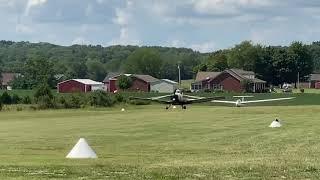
{"type": "Point", "coordinates": [206, 75]}
{"type": "Point", "coordinates": [315, 77]}
{"type": "Point", "coordinates": [111, 75]}
{"type": "Point", "coordinates": [242, 72]}
{"type": "Point", "coordinates": [146, 78]}
{"type": "Point", "coordinates": [256, 80]}
{"type": "Point", "coordinates": [169, 81]}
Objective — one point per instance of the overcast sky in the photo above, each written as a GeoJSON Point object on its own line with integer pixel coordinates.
{"type": "Point", "coordinates": [204, 25]}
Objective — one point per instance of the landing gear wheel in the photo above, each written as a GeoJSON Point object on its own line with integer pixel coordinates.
{"type": "Point", "coordinates": [184, 107]}
{"type": "Point", "coordinates": [167, 107]}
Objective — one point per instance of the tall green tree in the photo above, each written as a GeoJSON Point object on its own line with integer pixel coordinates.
{"type": "Point", "coordinates": [124, 82]}
{"type": "Point", "coordinates": [96, 70]}
{"type": "Point", "coordinates": [217, 61]}
{"type": "Point", "coordinates": [243, 56]}
{"type": "Point", "coordinates": [264, 65]}
{"type": "Point", "coordinates": [300, 56]}
{"type": "Point", "coordinates": [283, 66]}
{"type": "Point", "coordinates": [37, 71]}
{"type": "Point", "coordinates": [145, 61]}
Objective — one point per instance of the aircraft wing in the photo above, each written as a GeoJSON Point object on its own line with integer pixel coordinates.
{"type": "Point", "coordinates": [267, 100]}
{"type": "Point", "coordinates": [155, 99]}
{"type": "Point", "coordinates": [228, 102]}
{"type": "Point", "coordinates": [196, 99]}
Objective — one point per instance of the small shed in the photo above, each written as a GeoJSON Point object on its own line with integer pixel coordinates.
{"type": "Point", "coordinates": [314, 79]}
{"type": "Point", "coordinates": [79, 85]}
{"type": "Point", "coordinates": [164, 86]}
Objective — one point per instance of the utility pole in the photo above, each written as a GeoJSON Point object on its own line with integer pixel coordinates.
{"type": "Point", "coordinates": [298, 81]}
{"type": "Point", "coordinates": [179, 75]}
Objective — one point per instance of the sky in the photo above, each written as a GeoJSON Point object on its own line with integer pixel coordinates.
{"type": "Point", "coordinates": [203, 25]}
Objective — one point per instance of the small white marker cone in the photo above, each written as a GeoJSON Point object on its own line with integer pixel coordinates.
{"type": "Point", "coordinates": [174, 107]}
{"type": "Point", "coordinates": [122, 109]}
{"type": "Point", "coordinates": [81, 150]}
{"type": "Point", "coordinates": [275, 124]}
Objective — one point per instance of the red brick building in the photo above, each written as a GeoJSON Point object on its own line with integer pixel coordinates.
{"type": "Point", "coordinates": [79, 85]}
{"type": "Point", "coordinates": [228, 80]}
{"type": "Point", "coordinates": [139, 82]}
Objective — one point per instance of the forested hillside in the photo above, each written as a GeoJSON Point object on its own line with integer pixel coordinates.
{"type": "Point", "coordinates": [40, 62]}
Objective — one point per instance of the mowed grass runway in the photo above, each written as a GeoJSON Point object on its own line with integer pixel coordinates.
{"type": "Point", "coordinates": [148, 142]}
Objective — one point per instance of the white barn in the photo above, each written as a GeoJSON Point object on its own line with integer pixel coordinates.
{"type": "Point", "coordinates": [163, 86]}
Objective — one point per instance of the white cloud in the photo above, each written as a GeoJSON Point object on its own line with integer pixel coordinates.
{"type": "Point", "coordinates": [122, 17]}
{"type": "Point", "coordinates": [89, 10]}
{"type": "Point", "coordinates": [124, 38]}
{"type": "Point", "coordinates": [24, 29]}
{"type": "Point", "coordinates": [227, 6]}
{"type": "Point", "coordinates": [33, 3]}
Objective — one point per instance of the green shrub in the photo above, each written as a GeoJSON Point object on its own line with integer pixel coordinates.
{"type": "Point", "coordinates": [15, 99]}
{"type": "Point", "coordinates": [46, 102]}
{"type": "Point", "coordinates": [26, 100]}
{"type": "Point", "coordinates": [44, 98]}
{"type": "Point", "coordinates": [71, 102]}
{"type": "Point", "coordinates": [19, 108]}
{"type": "Point", "coordinates": [100, 99]}
{"type": "Point", "coordinates": [1, 105]}
{"type": "Point", "coordinates": [43, 90]}
{"type": "Point", "coordinates": [6, 98]}
{"type": "Point", "coordinates": [124, 82]}
{"type": "Point", "coordinates": [120, 98]}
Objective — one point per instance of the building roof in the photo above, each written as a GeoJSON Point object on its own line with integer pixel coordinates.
{"type": "Point", "coordinates": [239, 74]}
{"type": "Point", "coordinates": [242, 72]}
{"type": "Point", "coordinates": [256, 80]}
{"type": "Point", "coordinates": [146, 78]}
{"type": "Point", "coordinates": [206, 75]}
{"type": "Point", "coordinates": [315, 77]}
{"type": "Point", "coordinates": [170, 81]}
{"type": "Point", "coordinates": [6, 78]}
{"type": "Point", "coordinates": [84, 81]}
{"type": "Point", "coordinates": [111, 75]}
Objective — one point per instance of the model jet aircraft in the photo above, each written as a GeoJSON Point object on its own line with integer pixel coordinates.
{"type": "Point", "coordinates": [178, 98]}
{"type": "Point", "coordinates": [240, 102]}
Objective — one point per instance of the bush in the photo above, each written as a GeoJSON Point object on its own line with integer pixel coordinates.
{"type": "Point", "coordinates": [218, 91]}
{"type": "Point", "coordinates": [44, 97]}
{"type": "Point", "coordinates": [124, 82]}
{"type": "Point", "coordinates": [101, 99]}
{"type": "Point", "coordinates": [6, 98]}
{"type": "Point", "coordinates": [120, 98]}
{"type": "Point", "coordinates": [15, 99]}
{"type": "Point", "coordinates": [43, 90]}
{"type": "Point", "coordinates": [19, 108]}
{"type": "Point", "coordinates": [1, 105]}
{"type": "Point", "coordinates": [46, 102]}
{"type": "Point", "coordinates": [71, 102]}
{"type": "Point", "coordinates": [26, 100]}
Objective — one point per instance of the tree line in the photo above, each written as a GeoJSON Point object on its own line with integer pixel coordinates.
{"type": "Point", "coordinates": [40, 63]}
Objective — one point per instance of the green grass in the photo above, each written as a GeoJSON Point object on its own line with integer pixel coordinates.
{"type": "Point", "coordinates": [148, 142]}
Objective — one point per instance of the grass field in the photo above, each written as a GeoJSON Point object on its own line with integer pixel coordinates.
{"type": "Point", "coordinates": [148, 142]}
